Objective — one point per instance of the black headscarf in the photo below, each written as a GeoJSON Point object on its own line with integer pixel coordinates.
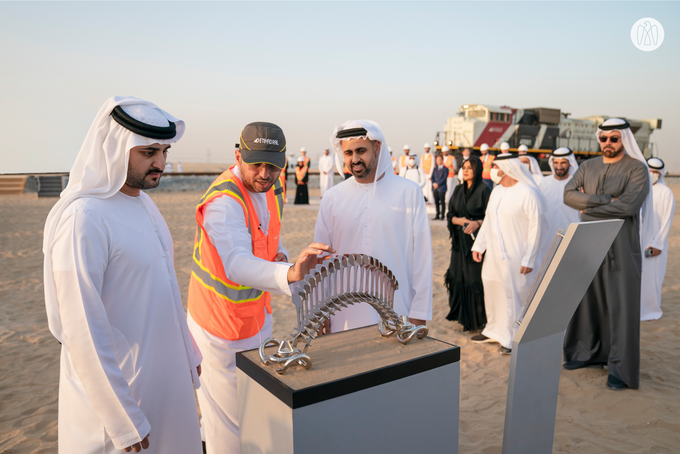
{"type": "Point", "coordinates": [477, 168]}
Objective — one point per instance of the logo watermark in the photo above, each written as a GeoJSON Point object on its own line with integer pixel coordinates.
{"type": "Point", "coordinates": [647, 34]}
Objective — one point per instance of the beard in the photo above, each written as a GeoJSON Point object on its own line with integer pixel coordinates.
{"type": "Point", "coordinates": [363, 172]}
{"type": "Point", "coordinates": [139, 181]}
{"type": "Point", "coordinates": [610, 152]}
{"type": "Point", "coordinates": [561, 172]}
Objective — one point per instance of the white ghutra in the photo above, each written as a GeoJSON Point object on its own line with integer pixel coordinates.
{"type": "Point", "coordinates": [333, 285]}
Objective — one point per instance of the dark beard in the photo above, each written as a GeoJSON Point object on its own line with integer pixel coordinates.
{"type": "Point", "coordinates": [138, 181]}
{"type": "Point", "coordinates": [611, 153]}
{"type": "Point", "coordinates": [561, 172]}
{"type": "Point", "coordinates": [363, 174]}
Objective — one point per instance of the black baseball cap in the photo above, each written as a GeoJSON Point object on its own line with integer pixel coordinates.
{"type": "Point", "coordinates": [263, 142]}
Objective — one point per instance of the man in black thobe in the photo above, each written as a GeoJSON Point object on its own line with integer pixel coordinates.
{"type": "Point", "coordinates": [605, 330]}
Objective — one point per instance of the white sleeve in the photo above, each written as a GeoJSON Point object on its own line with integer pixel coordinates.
{"type": "Point", "coordinates": [80, 255]}
{"type": "Point", "coordinates": [421, 268]}
{"type": "Point", "coordinates": [225, 223]}
{"type": "Point", "coordinates": [480, 241]}
{"type": "Point", "coordinates": [665, 222]}
{"type": "Point", "coordinates": [423, 178]}
{"type": "Point", "coordinates": [533, 212]}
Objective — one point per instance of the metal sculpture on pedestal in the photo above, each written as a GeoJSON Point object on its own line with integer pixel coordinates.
{"type": "Point", "coordinates": [333, 285]}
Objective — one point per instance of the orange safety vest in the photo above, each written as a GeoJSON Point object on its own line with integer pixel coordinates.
{"type": "Point", "coordinates": [448, 163]}
{"type": "Point", "coordinates": [486, 165]}
{"type": "Point", "coordinates": [300, 174]}
{"type": "Point", "coordinates": [426, 162]}
{"type": "Point", "coordinates": [402, 161]}
{"type": "Point", "coordinates": [346, 170]}
{"type": "Point", "coordinates": [217, 304]}
{"type": "Point", "coordinates": [306, 162]}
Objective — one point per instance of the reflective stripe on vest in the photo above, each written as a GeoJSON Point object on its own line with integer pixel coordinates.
{"type": "Point", "coordinates": [486, 166]}
{"type": "Point", "coordinates": [220, 306]}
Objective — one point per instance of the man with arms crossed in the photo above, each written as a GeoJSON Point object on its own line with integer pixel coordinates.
{"type": "Point", "coordinates": [238, 260]}
{"type": "Point", "coordinates": [127, 357]}
{"type": "Point", "coordinates": [381, 215]}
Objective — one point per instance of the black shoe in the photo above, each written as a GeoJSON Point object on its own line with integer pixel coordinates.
{"type": "Point", "coordinates": [505, 350]}
{"type": "Point", "coordinates": [615, 384]}
{"type": "Point", "coordinates": [574, 364]}
{"type": "Point", "coordinates": [436, 218]}
{"type": "Point", "coordinates": [481, 339]}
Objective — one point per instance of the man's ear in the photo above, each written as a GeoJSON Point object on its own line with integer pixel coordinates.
{"type": "Point", "coordinates": [237, 153]}
{"type": "Point", "coordinates": [376, 146]}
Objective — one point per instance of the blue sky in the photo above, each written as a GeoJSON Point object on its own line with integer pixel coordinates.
{"type": "Point", "coordinates": [309, 65]}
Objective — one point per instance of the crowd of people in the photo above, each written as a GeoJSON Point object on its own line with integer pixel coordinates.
{"type": "Point", "coordinates": [131, 357]}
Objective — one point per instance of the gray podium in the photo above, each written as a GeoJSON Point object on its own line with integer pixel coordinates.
{"type": "Point", "coordinates": [364, 393]}
{"type": "Point", "coordinates": [536, 360]}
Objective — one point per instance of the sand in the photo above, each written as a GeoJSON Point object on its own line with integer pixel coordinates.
{"type": "Point", "coordinates": [590, 418]}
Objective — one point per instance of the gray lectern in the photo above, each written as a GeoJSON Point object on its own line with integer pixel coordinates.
{"type": "Point", "coordinates": [365, 393]}
{"type": "Point", "coordinates": [536, 361]}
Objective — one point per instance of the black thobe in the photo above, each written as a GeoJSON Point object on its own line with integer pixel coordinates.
{"type": "Point", "coordinates": [464, 277]}
{"type": "Point", "coordinates": [605, 328]}
{"type": "Point", "coordinates": [301, 193]}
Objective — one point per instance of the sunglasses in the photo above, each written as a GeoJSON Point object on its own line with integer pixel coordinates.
{"type": "Point", "coordinates": [614, 139]}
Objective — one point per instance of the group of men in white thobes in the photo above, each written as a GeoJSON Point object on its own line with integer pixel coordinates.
{"type": "Point", "coordinates": [130, 356]}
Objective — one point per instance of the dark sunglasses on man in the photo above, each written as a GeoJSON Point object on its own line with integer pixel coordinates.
{"type": "Point", "coordinates": [614, 139]}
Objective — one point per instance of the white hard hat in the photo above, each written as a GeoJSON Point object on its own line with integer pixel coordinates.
{"type": "Point", "coordinates": [522, 149]}
{"type": "Point", "coordinates": [505, 146]}
{"type": "Point", "coordinates": [427, 145]}
{"type": "Point", "coordinates": [484, 147]}
{"type": "Point", "coordinates": [301, 159]}
{"type": "Point", "coordinates": [303, 149]}
{"type": "Point", "coordinates": [445, 148]}
{"type": "Point", "coordinates": [406, 147]}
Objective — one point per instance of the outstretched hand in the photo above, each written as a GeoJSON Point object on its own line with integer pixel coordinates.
{"type": "Point", "coordinates": [308, 259]}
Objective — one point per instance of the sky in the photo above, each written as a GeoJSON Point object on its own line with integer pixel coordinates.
{"type": "Point", "coordinates": [308, 66]}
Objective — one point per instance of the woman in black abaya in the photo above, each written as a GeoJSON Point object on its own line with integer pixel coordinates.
{"type": "Point", "coordinates": [464, 276]}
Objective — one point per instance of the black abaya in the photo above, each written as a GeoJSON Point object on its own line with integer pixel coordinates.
{"type": "Point", "coordinates": [464, 276]}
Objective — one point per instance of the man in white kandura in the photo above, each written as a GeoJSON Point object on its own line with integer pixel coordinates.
{"type": "Point", "coordinates": [427, 166]}
{"type": "Point", "coordinates": [326, 170]}
{"type": "Point", "coordinates": [515, 237]}
{"type": "Point", "coordinates": [381, 215]}
{"type": "Point", "coordinates": [656, 254]}
{"type": "Point", "coordinates": [239, 260]}
{"type": "Point", "coordinates": [563, 165]}
{"type": "Point", "coordinates": [530, 162]}
{"type": "Point", "coordinates": [414, 173]}
{"type": "Point", "coordinates": [127, 357]}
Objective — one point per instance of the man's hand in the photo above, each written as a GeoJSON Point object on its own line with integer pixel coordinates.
{"type": "Point", "coordinates": [435, 185]}
{"type": "Point", "coordinates": [137, 447]}
{"type": "Point", "coordinates": [477, 256]}
{"type": "Point", "coordinates": [325, 328]}
{"type": "Point", "coordinates": [280, 257]}
{"type": "Point", "coordinates": [655, 251]}
{"type": "Point", "coordinates": [525, 270]}
{"type": "Point", "coordinates": [307, 260]}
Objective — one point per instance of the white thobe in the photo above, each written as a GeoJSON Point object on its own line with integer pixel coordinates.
{"type": "Point", "coordinates": [225, 224]}
{"type": "Point", "coordinates": [654, 268]}
{"type": "Point", "coordinates": [390, 224]}
{"type": "Point", "coordinates": [513, 235]}
{"type": "Point", "coordinates": [326, 164]}
{"type": "Point", "coordinates": [559, 215]}
{"type": "Point", "coordinates": [427, 189]}
{"type": "Point", "coordinates": [414, 174]}
{"type": "Point", "coordinates": [127, 354]}
{"type": "Point", "coordinates": [537, 178]}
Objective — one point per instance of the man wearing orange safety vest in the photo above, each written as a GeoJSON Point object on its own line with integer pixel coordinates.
{"type": "Point", "coordinates": [305, 159]}
{"type": "Point", "coordinates": [427, 164]}
{"type": "Point", "coordinates": [403, 160]}
{"type": "Point", "coordinates": [487, 162]}
{"type": "Point", "coordinates": [238, 260]}
{"type": "Point", "coordinates": [451, 181]}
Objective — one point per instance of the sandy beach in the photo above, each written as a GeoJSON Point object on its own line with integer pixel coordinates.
{"type": "Point", "coordinates": [590, 418]}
